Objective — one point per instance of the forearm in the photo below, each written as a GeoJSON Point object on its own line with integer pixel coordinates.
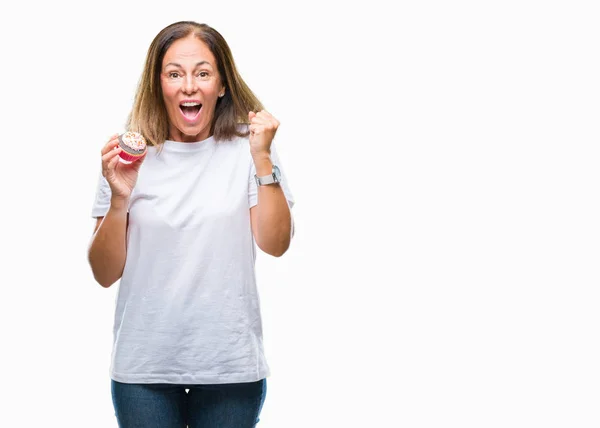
{"type": "Point", "coordinates": [108, 251]}
{"type": "Point", "coordinates": [273, 220]}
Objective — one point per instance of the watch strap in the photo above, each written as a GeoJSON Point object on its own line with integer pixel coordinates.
{"type": "Point", "coordinates": [267, 179]}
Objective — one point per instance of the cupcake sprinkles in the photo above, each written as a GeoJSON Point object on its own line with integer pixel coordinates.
{"type": "Point", "coordinates": [133, 147]}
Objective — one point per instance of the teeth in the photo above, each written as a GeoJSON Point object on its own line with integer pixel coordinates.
{"type": "Point", "coordinates": [190, 104]}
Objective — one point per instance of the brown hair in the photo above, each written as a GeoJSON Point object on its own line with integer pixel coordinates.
{"type": "Point", "coordinates": [149, 114]}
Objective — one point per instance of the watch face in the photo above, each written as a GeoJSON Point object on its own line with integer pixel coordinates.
{"type": "Point", "coordinates": [277, 173]}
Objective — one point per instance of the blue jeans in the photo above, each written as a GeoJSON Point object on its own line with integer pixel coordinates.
{"type": "Point", "coordinates": [161, 405]}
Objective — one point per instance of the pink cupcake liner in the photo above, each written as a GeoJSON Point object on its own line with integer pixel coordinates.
{"type": "Point", "coordinates": [128, 158]}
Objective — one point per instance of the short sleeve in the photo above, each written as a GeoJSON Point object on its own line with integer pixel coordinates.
{"type": "Point", "coordinates": [252, 189]}
{"type": "Point", "coordinates": [102, 200]}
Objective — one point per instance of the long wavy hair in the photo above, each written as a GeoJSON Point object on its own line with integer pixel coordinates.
{"type": "Point", "coordinates": [149, 114]}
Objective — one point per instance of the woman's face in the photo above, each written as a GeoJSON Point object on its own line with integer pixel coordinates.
{"type": "Point", "coordinates": [191, 86]}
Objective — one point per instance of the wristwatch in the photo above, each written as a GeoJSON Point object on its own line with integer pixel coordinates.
{"type": "Point", "coordinates": [274, 177]}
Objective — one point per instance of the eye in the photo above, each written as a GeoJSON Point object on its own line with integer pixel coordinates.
{"type": "Point", "coordinates": [203, 74]}
{"type": "Point", "coordinates": [173, 74]}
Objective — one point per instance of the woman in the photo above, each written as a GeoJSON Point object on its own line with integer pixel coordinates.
{"type": "Point", "coordinates": [179, 227]}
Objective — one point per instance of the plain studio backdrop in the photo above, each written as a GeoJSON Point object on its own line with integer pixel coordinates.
{"type": "Point", "coordinates": [444, 161]}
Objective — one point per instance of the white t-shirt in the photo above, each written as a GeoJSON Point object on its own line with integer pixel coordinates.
{"type": "Point", "coordinates": [187, 308]}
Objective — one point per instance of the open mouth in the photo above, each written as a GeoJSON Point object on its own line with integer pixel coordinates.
{"type": "Point", "coordinates": [190, 109]}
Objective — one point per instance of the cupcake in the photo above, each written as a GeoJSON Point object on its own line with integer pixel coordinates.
{"type": "Point", "coordinates": [133, 147]}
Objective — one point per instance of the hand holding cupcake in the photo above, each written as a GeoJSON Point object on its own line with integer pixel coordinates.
{"type": "Point", "coordinates": [122, 157]}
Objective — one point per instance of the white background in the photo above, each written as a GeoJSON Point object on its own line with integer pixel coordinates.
{"type": "Point", "coordinates": [444, 161]}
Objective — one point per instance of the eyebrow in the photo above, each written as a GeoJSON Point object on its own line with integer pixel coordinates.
{"type": "Point", "coordinates": [179, 65]}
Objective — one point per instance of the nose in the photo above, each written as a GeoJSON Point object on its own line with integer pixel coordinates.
{"type": "Point", "coordinates": [188, 85]}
